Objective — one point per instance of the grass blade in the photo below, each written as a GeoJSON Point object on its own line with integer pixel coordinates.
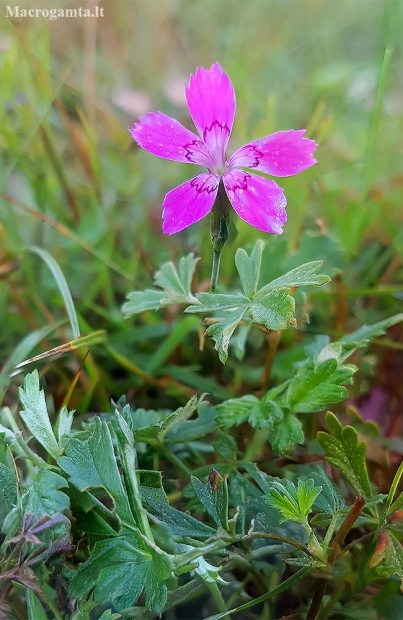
{"type": "Point", "coordinates": [63, 286]}
{"type": "Point", "coordinates": [84, 341]}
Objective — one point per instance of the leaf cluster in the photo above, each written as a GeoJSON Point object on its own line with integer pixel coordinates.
{"type": "Point", "coordinates": [271, 306]}
{"type": "Point", "coordinates": [137, 540]}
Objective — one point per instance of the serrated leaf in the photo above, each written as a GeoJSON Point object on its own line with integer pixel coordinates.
{"type": "Point", "coordinates": [330, 500]}
{"type": "Point", "coordinates": [45, 495]}
{"type": "Point", "coordinates": [35, 414]}
{"type": "Point", "coordinates": [120, 570]}
{"type": "Point", "coordinates": [189, 430]}
{"type": "Point", "coordinates": [305, 275]}
{"type": "Point", "coordinates": [64, 426]}
{"type": "Point", "coordinates": [140, 418]}
{"type": "Point", "coordinates": [313, 387]}
{"type": "Point", "coordinates": [236, 410]}
{"type": "Point", "coordinates": [271, 306]}
{"type": "Point", "coordinates": [346, 454]}
{"type": "Point", "coordinates": [139, 301]}
{"type": "Point", "coordinates": [78, 463]}
{"type": "Point", "coordinates": [216, 302]}
{"type": "Point", "coordinates": [274, 310]}
{"type": "Point", "coordinates": [294, 502]}
{"type": "Point", "coordinates": [249, 267]}
{"type": "Point", "coordinates": [265, 414]}
{"type": "Point", "coordinates": [117, 568]}
{"type": "Point", "coordinates": [92, 463]}
{"type": "Point", "coordinates": [221, 332]}
{"type": "Point", "coordinates": [157, 433]}
{"type": "Point", "coordinates": [8, 486]}
{"type": "Point", "coordinates": [177, 281]}
{"type": "Point", "coordinates": [285, 433]}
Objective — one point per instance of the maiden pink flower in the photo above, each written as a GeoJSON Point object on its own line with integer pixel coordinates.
{"type": "Point", "coordinates": [258, 201]}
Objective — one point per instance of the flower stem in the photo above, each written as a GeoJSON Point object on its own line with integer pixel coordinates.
{"type": "Point", "coordinates": [214, 271]}
{"type": "Point", "coordinates": [219, 231]}
{"type": "Point", "coordinates": [218, 599]}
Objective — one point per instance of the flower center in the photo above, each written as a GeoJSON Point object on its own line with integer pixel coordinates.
{"type": "Point", "coordinates": [215, 139]}
{"type": "Point", "coordinates": [221, 169]}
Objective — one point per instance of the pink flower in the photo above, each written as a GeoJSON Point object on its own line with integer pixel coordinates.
{"type": "Point", "coordinates": [258, 201]}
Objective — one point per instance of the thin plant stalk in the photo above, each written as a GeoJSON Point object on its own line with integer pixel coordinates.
{"type": "Point", "coordinates": [219, 231]}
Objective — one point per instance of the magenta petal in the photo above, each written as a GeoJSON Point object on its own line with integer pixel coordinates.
{"type": "Point", "coordinates": [166, 137]}
{"type": "Point", "coordinates": [281, 154]}
{"type": "Point", "coordinates": [189, 203]}
{"type": "Point", "coordinates": [258, 201]}
{"type": "Point", "coordinates": [211, 101]}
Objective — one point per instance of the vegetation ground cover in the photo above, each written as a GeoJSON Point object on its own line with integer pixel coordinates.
{"type": "Point", "coordinates": [158, 455]}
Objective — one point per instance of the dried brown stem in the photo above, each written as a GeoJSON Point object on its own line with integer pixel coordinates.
{"type": "Point", "coordinates": [272, 338]}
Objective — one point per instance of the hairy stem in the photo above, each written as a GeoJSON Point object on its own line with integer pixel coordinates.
{"type": "Point", "coordinates": [218, 599]}
{"type": "Point", "coordinates": [283, 539]}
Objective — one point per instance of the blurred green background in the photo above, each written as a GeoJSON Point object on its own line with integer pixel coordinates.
{"type": "Point", "coordinates": [73, 182]}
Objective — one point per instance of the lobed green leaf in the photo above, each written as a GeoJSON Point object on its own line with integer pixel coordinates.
{"type": "Point", "coordinates": [249, 268]}
{"type": "Point", "coordinates": [346, 454]}
{"type": "Point", "coordinates": [305, 275]}
{"type": "Point", "coordinates": [35, 414]}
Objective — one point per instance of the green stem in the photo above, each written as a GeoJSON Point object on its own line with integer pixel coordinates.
{"type": "Point", "coordinates": [218, 599]}
{"type": "Point", "coordinates": [327, 609]}
{"type": "Point", "coordinates": [286, 540]}
{"type": "Point", "coordinates": [214, 271]}
{"type": "Point", "coordinates": [34, 458]}
{"type": "Point", "coordinates": [330, 530]}
{"type": "Point", "coordinates": [259, 440]}
{"type": "Point", "coordinates": [177, 462]}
